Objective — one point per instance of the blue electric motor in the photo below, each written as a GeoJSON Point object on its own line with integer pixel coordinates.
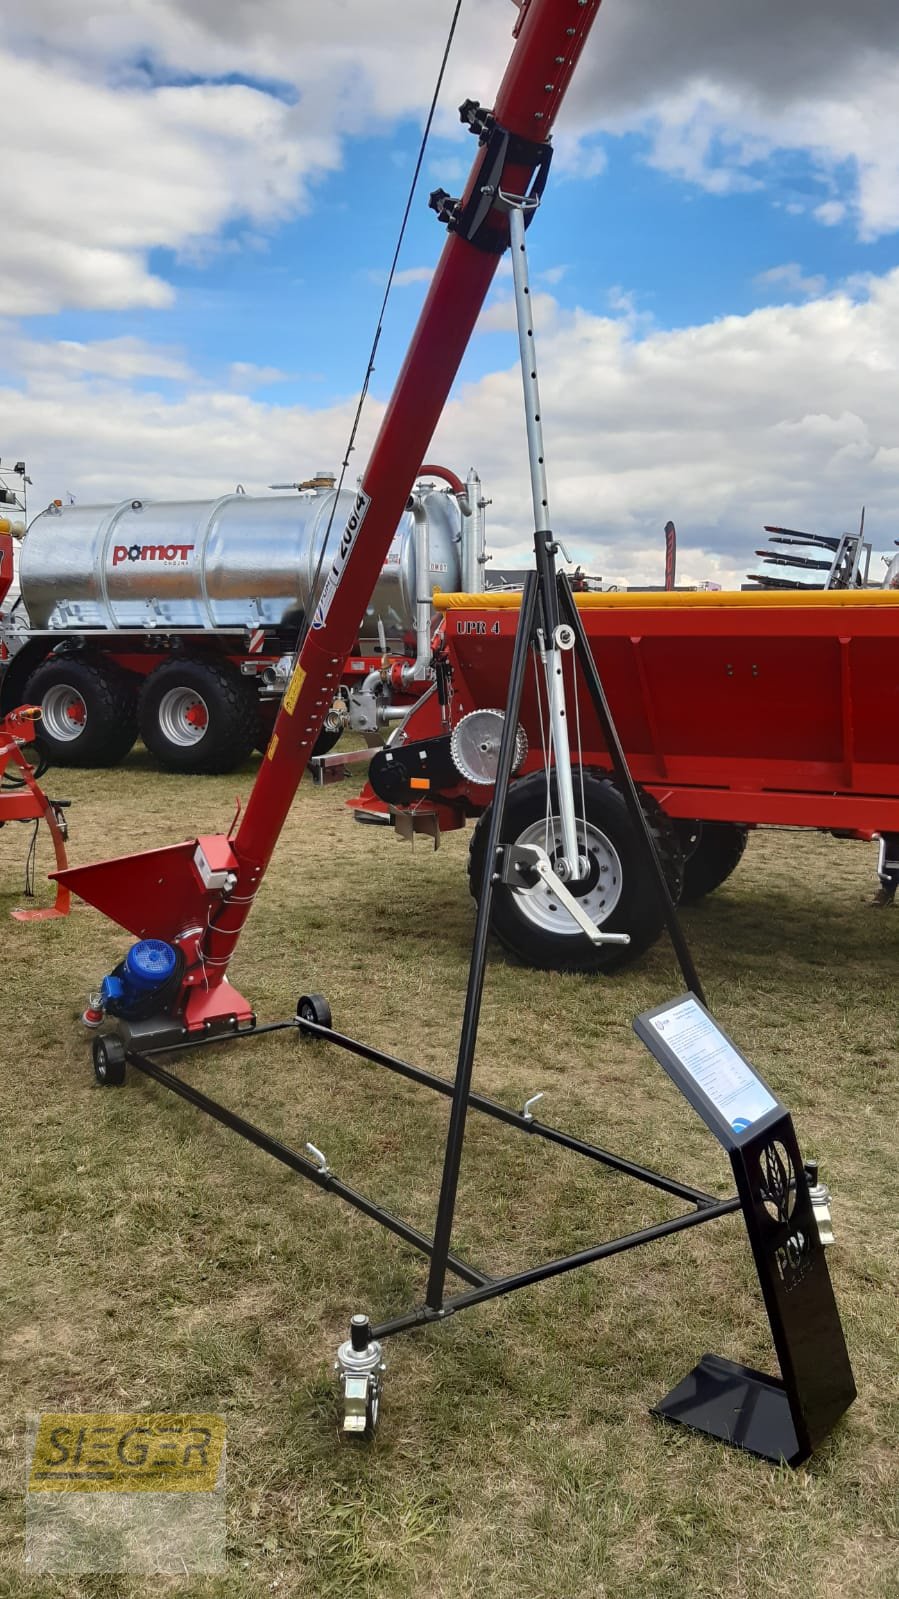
{"type": "Point", "coordinates": [148, 966]}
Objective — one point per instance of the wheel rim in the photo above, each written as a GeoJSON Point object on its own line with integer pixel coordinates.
{"type": "Point", "coordinates": [63, 713]}
{"type": "Point", "coordinates": [597, 894]}
{"type": "Point", "coordinates": [183, 716]}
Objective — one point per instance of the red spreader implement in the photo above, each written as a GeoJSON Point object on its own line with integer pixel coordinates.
{"type": "Point", "coordinates": [23, 800]}
{"type": "Point", "coordinates": [735, 710]}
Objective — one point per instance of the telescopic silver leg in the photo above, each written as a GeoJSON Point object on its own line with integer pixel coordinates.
{"type": "Point", "coordinates": [570, 866]}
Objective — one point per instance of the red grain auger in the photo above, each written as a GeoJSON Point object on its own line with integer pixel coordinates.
{"type": "Point", "coordinates": [187, 904]}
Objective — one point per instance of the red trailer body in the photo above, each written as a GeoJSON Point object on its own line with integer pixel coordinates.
{"type": "Point", "coordinates": [756, 708]}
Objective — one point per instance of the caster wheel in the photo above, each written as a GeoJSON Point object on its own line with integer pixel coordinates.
{"type": "Point", "coordinates": [109, 1062]}
{"type": "Point", "coordinates": [360, 1367]}
{"type": "Point", "coordinates": [313, 1008]}
{"type": "Point", "coordinates": [361, 1406]}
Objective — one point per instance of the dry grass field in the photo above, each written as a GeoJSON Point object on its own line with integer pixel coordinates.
{"type": "Point", "coordinates": [153, 1261]}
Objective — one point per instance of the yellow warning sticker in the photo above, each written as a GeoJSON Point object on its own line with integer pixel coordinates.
{"type": "Point", "coordinates": [294, 688]}
{"type": "Point", "coordinates": [272, 746]}
{"type": "Point", "coordinates": [143, 1452]}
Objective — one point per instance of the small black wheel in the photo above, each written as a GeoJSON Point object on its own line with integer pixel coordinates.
{"type": "Point", "coordinates": [716, 853]}
{"type": "Point", "coordinates": [109, 1062]}
{"type": "Point", "coordinates": [313, 1008]}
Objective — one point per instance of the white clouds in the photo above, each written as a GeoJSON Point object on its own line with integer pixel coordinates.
{"type": "Point", "coordinates": [786, 415]}
{"type": "Point", "coordinates": [129, 151]}
{"type": "Point", "coordinates": [500, 315]}
{"type": "Point", "coordinates": [830, 213]}
{"type": "Point", "coordinates": [123, 146]}
{"type": "Point", "coordinates": [404, 277]}
{"type": "Point", "coordinates": [723, 140]}
{"type": "Point", "coordinates": [722, 88]}
{"type": "Point", "coordinates": [102, 175]}
{"type": "Point", "coordinates": [789, 279]}
{"type": "Point", "coordinates": [106, 440]}
{"type": "Point", "coordinates": [246, 376]}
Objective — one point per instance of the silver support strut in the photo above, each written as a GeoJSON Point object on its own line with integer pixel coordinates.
{"type": "Point", "coordinates": [570, 866]}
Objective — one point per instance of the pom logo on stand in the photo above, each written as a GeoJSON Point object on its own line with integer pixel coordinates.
{"type": "Point", "coordinates": [171, 554]}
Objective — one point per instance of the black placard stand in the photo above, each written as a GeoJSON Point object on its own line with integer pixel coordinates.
{"type": "Point", "coordinates": [780, 1418]}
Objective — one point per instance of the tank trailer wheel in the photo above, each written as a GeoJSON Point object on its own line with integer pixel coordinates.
{"type": "Point", "coordinates": [109, 1062]}
{"type": "Point", "coordinates": [313, 1008]}
{"type": "Point", "coordinates": [198, 716]}
{"type": "Point", "coordinates": [88, 711]}
{"type": "Point", "coordinates": [716, 853]}
{"type": "Point", "coordinates": [618, 893]}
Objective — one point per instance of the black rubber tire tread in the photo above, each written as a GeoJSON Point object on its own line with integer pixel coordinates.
{"type": "Point", "coordinates": [322, 746]}
{"type": "Point", "coordinates": [638, 911]}
{"type": "Point", "coordinates": [718, 853]}
{"type": "Point", "coordinates": [233, 726]}
{"type": "Point", "coordinates": [109, 1062]}
{"type": "Point", "coordinates": [319, 1007]}
{"type": "Point", "coordinates": [110, 700]}
{"type": "Point", "coordinates": [326, 741]}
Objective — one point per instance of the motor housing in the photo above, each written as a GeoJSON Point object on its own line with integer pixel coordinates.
{"type": "Point", "coordinates": [148, 968]}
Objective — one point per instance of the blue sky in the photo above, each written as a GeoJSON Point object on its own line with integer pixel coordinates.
{"type": "Point", "coordinates": [201, 218]}
{"type": "Point", "coordinates": [303, 298]}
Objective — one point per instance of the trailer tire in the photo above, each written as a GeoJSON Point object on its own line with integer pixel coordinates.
{"type": "Point", "coordinates": [323, 745]}
{"type": "Point", "coordinates": [88, 711]}
{"type": "Point", "coordinates": [327, 739]}
{"type": "Point", "coordinates": [717, 853]}
{"type": "Point", "coordinates": [198, 716]}
{"type": "Point", "coordinates": [522, 920]}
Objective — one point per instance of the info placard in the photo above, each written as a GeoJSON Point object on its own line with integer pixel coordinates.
{"type": "Point", "coordinates": [707, 1066]}
{"type": "Point", "coordinates": [780, 1418]}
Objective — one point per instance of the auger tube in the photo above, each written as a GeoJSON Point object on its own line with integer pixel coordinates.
{"type": "Point", "coordinates": [513, 156]}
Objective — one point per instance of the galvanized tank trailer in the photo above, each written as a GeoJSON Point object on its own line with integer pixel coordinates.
{"type": "Point", "coordinates": [178, 621]}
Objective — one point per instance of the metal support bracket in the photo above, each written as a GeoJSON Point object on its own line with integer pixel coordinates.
{"type": "Point", "coordinates": [502, 150]}
{"type": "Point", "coordinates": [521, 862]}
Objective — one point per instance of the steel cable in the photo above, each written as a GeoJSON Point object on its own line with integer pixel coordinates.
{"type": "Point", "coordinates": [351, 443]}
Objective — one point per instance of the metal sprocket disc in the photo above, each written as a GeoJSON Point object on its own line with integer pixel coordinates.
{"type": "Point", "coordinates": [474, 745]}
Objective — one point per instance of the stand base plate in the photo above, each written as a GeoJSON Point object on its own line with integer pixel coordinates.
{"type": "Point", "coordinates": [740, 1406]}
